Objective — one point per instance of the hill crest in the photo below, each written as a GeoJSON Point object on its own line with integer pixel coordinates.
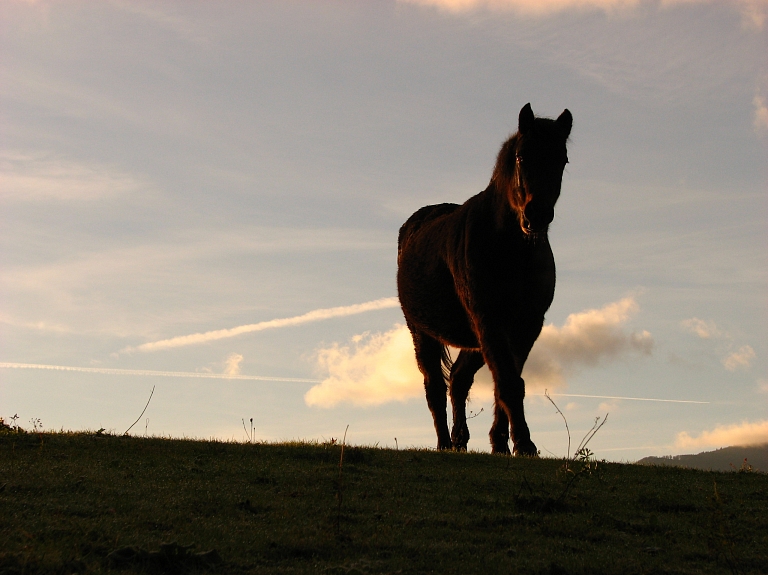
{"type": "Point", "coordinates": [724, 459]}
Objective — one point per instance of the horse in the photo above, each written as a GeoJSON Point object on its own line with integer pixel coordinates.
{"type": "Point", "coordinates": [480, 276]}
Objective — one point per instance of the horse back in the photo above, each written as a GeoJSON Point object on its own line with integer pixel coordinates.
{"type": "Point", "coordinates": [421, 217]}
{"type": "Point", "coordinates": [425, 279]}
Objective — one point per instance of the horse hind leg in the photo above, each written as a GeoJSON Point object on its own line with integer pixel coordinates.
{"type": "Point", "coordinates": [462, 376]}
{"type": "Point", "coordinates": [429, 353]}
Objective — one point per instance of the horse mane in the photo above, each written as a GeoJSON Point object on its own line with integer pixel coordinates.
{"type": "Point", "coordinates": [506, 178]}
{"type": "Point", "coordinates": [505, 169]}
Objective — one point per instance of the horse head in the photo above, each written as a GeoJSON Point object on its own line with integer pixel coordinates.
{"type": "Point", "coordinates": [529, 168]}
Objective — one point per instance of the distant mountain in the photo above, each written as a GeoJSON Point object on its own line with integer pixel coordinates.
{"type": "Point", "coordinates": [725, 459]}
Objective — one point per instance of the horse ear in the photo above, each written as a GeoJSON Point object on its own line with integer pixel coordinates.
{"type": "Point", "coordinates": [525, 121]}
{"type": "Point", "coordinates": [565, 122]}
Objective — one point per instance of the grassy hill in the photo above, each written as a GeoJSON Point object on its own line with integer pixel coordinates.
{"type": "Point", "coordinates": [725, 459]}
{"type": "Point", "coordinates": [94, 503]}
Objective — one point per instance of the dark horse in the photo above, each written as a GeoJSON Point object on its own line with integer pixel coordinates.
{"type": "Point", "coordinates": [480, 276]}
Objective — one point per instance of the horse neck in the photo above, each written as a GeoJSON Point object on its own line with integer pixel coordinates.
{"type": "Point", "coordinates": [505, 217]}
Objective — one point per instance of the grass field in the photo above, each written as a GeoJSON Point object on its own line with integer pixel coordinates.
{"type": "Point", "coordinates": [89, 503]}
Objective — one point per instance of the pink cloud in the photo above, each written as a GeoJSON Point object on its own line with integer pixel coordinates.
{"type": "Point", "coordinates": [740, 434]}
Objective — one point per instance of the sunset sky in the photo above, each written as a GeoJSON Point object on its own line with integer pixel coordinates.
{"type": "Point", "coordinates": [215, 189]}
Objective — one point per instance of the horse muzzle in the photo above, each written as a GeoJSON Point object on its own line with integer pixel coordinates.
{"type": "Point", "coordinates": [537, 216]}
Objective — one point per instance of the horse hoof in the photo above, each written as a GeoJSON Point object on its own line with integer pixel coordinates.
{"type": "Point", "coordinates": [444, 446]}
{"type": "Point", "coordinates": [526, 449]}
{"type": "Point", "coordinates": [500, 449]}
{"type": "Point", "coordinates": [459, 444]}
{"type": "Point", "coordinates": [460, 438]}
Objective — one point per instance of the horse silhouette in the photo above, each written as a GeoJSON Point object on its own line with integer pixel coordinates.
{"type": "Point", "coordinates": [480, 277]}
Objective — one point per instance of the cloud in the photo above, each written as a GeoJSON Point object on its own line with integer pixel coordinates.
{"type": "Point", "coordinates": [585, 340]}
{"type": "Point", "coordinates": [160, 18]}
{"type": "Point", "coordinates": [753, 11]}
{"type": "Point", "coordinates": [740, 359]}
{"type": "Point", "coordinates": [761, 114]}
{"type": "Point", "coordinates": [151, 373]}
{"type": "Point", "coordinates": [526, 6]}
{"type": "Point", "coordinates": [375, 369]}
{"type": "Point", "coordinates": [25, 177]}
{"type": "Point", "coordinates": [36, 325]}
{"type": "Point", "coordinates": [608, 406]}
{"type": "Point", "coordinates": [111, 287]}
{"type": "Point", "coordinates": [232, 364]}
{"type": "Point", "coordinates": [315, 315]}
{"type": "Point", "coordinates": [704, 329]}
{"type": "Point", "coordinates": [745, 433]}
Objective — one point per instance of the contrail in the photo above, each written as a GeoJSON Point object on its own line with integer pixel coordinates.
{"type": "Point", "coordinates": [147, 372]}
{"type": "Point", "coordinates": [203, 375]}
{"type": "Point", "coordinates": [619, 397]}
{"type": "Point", "coordinates": [315, 315]}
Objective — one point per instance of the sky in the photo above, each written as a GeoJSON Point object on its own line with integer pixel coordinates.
{"type": "Point", "coordinates": [204, 199]}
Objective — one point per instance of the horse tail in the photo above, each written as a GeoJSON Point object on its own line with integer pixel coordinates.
{"type": "Point", "coordinates": [446, 361]}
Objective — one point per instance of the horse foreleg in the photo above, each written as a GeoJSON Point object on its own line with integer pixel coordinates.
{"type": "Point", "coordinates": [509, 395]}
{"type": "Point", "coordinates": [428, 357]}
{"type": "Point", "coordinates": [462, 375]}
{"type": "Point", "coordinates": [509, 390]}
{"type": "Point", "coordinates": [499, 430]}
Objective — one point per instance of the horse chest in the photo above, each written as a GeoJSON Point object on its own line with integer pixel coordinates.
{"type": "Point", "coordinates": [525, 276]}
{"type": "Point", "coordinates": [538, 287]}
{"type": "Point", "coordinates": [538, 272]}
